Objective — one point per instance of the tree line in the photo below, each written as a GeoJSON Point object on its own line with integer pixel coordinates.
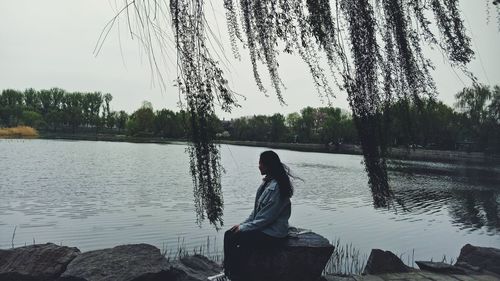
{"type": "Point", "coordinates": [473, 123]}
{"type": "Point", "coordinates": [58, 110]}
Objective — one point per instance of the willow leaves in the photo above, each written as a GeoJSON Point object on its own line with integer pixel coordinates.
{"type": "Point", "coordinates": [371, 49]}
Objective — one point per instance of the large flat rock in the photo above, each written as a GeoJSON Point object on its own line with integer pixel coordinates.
{"type": "Point", "coordinates": [138, 262]}
{"type": "Point", "coordinates": [35, 262]}
{"type": "Point", "coordinates": [301, 258]}
{"type": "Point", "coordinates": [482, 257]}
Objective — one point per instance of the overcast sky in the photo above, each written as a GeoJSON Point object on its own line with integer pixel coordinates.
{"type": "Point", "coordinates": [45, 44]}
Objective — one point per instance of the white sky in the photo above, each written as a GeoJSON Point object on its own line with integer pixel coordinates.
{"type": "Point", "coordinates": [45, 44]}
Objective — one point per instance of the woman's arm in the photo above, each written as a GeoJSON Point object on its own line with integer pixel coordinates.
{"type": "Point", "coordinates": [260, 190]}
{"type": "Point", "coordinates": [267, 214]}
{"type": "Point", "coordinates": [250, 218]}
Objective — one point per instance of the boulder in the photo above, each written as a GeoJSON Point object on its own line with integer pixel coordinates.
{"type": "Point", "coordinates": [35, 262]}
{"type": "Point", "coordinates": [468, 267]}
{"type": "Point", "coordinates": [440, 267]}
{"type": "Point", "coordinates": [122, 263]}
{"type": "Point", "coordinates": [380, 262]}
{"type": "Point", "coordinates": [194, 268]}
{"type": "Point", "coordinates": [481, 257]}
{"type": "Point", "coordinates": [300, 258]}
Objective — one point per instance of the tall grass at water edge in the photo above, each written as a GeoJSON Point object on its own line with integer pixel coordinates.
{"type": "Point", "coordinates": [18, 132]}
{"type": "Point", "coordinates": [209, 250]}
{"type": "Point", "coordinates": [345, 260]}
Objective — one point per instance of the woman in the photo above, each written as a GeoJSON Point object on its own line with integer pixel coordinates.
{"type": "Point", "coordinates": [267, 225]}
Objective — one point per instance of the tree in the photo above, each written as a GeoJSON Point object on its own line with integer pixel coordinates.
{"type": "Point", "coordinates": [121, 120]}
{"type": "Point", "coordinates": [293, 122]}
{"type": "Point", "coordinates": [278, 129]}
{"type": "Point", "coordinates": [308, 124]}
{"type": "Point", "coordinates": [373, 50]}
{"type": "Point", "coordinates": [32, 118]}
{"type": "Point", "coordinates": [165, 123]}
{"type": "Point", "coordinates": [73, 106]}
{"type": "Point", "coordinates": [473, 103]}
{"type": "Point", "coordinates": [438, 125]}
{"type": "Point", "coordinates": [11, 107]}
{"type": "Point", "coordinates": [32, 100]}
{"type": "Point", "coordinates": [493, 127]}
{"type": "Point", "coordinates": [329, 129]}
{"type": "Point", "coordinates": [106, 111]}
{"type": "Point", "coordinates": [91, 107]}
{"type": "Point", "coordinates": [494, 107]}
{"type": "Point", "coordinates": [239, 129]}
{"type": "Point", "coordinates": [141, 122]}
{"type": "Point", "coordinates": [111, 119]}
{"type": "Point", "coordinates": [45, 101]}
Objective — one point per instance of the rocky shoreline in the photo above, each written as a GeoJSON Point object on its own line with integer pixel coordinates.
{"type": "Point", "coordinates": [301, 259]}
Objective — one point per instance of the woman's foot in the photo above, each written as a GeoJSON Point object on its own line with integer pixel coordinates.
{"type": "Point", "coordinates": [219, 277]}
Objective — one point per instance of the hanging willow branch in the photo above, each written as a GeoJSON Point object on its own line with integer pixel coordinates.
{"type": "Point", "coordinates": [372, 49]}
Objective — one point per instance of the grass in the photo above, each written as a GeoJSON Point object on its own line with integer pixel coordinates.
{"type": "Point", "coordinates": [209, 250]}
{"type": "Point", "coordinates": [13, 236]}
{"type": "Point", "coordinates": [345, 260]}
{"type": "Point", "coordinates": [18, 132]}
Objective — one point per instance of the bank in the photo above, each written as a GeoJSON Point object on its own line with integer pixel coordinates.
{"type": "Point", "coordinates": [303, 261]}
{"type": "Point", "coordinates": [418, 154]}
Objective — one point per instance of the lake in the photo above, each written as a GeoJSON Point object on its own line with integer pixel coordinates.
{"type": "Point", "coordinates": [95, 195]}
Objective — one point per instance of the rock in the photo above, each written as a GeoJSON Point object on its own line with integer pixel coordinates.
{"type": "Point", "coordinates": [332, 277]}
{"type": "Point", "coordinates": [440, 267]}
{"type": "Point", "coordinates": [35, 262]}
{"type": "Point", "coordinates": [381, 262]}
{"type": "Point", "coordinates": [301, 258]}
{"type": "Point", "coordinates": [122, 263]}
{"type": "Point", "coordinates": [468, 266]}
{"type": "Point", "coordinates": [194, 268]}
{"type": "Point", "coordinates": [482, 257]}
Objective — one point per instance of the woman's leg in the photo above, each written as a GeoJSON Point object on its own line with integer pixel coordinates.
{"type": "Point", "coordinates": [240, 246]}
{"type": "Point", "coordinates": [230, 247]}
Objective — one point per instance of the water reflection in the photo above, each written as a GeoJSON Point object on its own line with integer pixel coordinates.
{"type": "Point", "coordinates": [97, 194]}
{"type": "Point", "coordinates": [488, 173]}
{"type": "Point", "coordinates": [470, 194]}
{"type": "Point", "coordinates": [476, 210]}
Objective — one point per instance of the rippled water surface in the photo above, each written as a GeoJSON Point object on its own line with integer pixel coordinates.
{"type": "Point", "coordinates": [99, 194]}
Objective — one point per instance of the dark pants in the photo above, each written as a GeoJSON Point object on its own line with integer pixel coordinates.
{"type": "Point", "coordinates": [239, 245]}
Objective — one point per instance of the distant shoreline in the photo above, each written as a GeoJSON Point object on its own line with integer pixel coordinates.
{"type": "Point", "coordinates": [394, 153]}
{"type": "Point", "coordinates": [107, 137]}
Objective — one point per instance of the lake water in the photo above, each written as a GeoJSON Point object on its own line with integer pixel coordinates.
{"type": "Point", "coordinates": [100, 194]}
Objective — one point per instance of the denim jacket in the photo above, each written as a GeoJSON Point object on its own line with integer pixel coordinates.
{"type": "Point", "coordinates": [271, 212]}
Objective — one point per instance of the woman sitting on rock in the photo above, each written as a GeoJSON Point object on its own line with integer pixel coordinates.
{"type": "Point", "coordinates": [267, 225]}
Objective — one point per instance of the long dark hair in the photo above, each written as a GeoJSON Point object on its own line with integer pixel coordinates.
{"type": "Point", "coordinates": [278, 171]}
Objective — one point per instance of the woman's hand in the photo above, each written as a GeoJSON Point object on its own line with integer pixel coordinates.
{"type": "Point", "coordinates": [235, 228]}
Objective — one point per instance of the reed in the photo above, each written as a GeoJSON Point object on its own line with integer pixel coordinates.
{"type": "Point", "coordinates": [209, 249]}
{"type": "Point", "coordinates": [345, 260]}
{"type": "Point", "coordinates": [13, 236]}
{"type": "Point", "coordinates": [18, 132]}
